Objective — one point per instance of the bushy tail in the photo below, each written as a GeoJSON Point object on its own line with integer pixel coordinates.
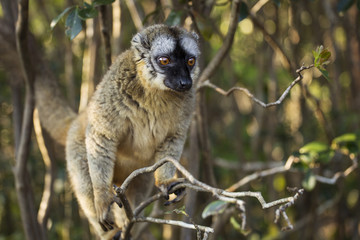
{"type": "Point", "coordinates": [55, 113]}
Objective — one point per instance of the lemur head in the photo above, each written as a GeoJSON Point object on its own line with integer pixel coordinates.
{"type": "Point", "coordinates": [166, 57]}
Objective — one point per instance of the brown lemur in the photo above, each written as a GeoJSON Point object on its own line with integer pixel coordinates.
{"type": "Point", "coordinates": [139, 114]}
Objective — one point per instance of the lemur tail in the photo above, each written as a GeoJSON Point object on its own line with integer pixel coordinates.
{"type": "Point", "coordinates": [55, 113]}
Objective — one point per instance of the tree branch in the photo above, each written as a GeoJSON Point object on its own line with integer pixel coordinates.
{"type": "Point", "coordinates": [230, 197]}
{"type": "Point", "coordinates": [106, 32]}
{"type": "Point", "coordinates": [213, 65]}
{"type": "Point", "coordinates": [207, 83]}
{"type": "Point", "coordinates": [22, 180]}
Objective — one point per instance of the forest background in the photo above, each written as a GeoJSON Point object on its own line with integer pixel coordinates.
{"type": "Point", "coordinates": [309, 140]}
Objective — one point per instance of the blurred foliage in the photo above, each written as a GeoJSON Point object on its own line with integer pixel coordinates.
{"type": "Point", "coordinates": [318, 122]}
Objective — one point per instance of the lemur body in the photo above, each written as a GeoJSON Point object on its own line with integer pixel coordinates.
{"type": "Point", "coordinates": [139, 114]}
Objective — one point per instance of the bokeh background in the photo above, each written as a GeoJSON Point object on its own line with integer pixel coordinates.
{"type": "Point", "coordinates": [273, 39]}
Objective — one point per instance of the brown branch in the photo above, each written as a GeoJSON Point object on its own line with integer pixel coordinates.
{"type": "Point", "coordinates": [273, 43]}
{"type": "Point", "coordinates": [49, 178]}
{"type": "Point", "coordinates": [22, 179]}
{"type": "Point", "coordinates": [134, 14]}
{"type": "Point", "coordinates": [106, 32]}
{"type": "Point", "coordinates": [207, 83]}
{"type": "Point", "coordinates": [229, 38]}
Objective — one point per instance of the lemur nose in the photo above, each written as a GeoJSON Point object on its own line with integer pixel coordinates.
{"type": "Point", "coordinates": [185, 84]}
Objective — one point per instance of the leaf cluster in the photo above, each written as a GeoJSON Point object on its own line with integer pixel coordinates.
{"type": "Point", "coordinates": [321, 58]}
{"type": "Point", "coordinates": [78, 14]}
{"type": "Point", "coordinates": [315, 153]}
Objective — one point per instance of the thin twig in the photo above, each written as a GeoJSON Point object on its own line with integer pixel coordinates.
{"type": "Point", "coordinates": [261, 174]}
{"type": "Point", "coordinates": [283, 207]}
{"type": "Point", "coordinates": [337, 175]}
{"type": "Point", "coordinates": [207, 83]}
{"type": "Point", "coordinates": [174, 223]}
{"type": "Point", "coordinates": [216, 60]}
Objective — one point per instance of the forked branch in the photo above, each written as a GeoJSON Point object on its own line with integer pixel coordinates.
{"type": "Point", "coordinates": [193, 183]}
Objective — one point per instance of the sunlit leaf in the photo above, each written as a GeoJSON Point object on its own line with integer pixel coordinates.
{"type": "Point", "coordinates": [96, 3]}
{"type": "Point", "coordinates": [315, 152]}
{"type": "Point", "coordinates": [58, 18]}
{"type": "Point", "coordinates": [344, 5]}
{"type": "Point", "coordinates": [309, 182]}
{"type": "Point", "coordinates": [73, 24]}
{"type": "Point", "coordinates": [174, 18]}
{"type": "Point", "coordinates": [244, 11]}
{"type": "Point", "coordinates": [314, 147]}
{"type": "Point", "coordinates": [214, 208]}
{"type": "Point", "coordinates": [347, 143]}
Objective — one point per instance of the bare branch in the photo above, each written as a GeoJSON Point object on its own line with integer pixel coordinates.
{"type": "Point", "coordinates": [337, 175]}
{"type": "Point", "coordinates": [44, 208]}
{"type": "Point", "coordinates": [282, 209]}
{"type": "Point", "coordinates": [174, 223]}
{"type": "Point", "coordinates": [261, 174]}
{"type": "Point", "coordinates": [210, 68]}
{"type": "Point", "coordinates": [134, 14]}
{"type": "Point", "coordinates": [207, 83]}
{"type": "Point", "coordinates": [230, 197]}
{"type": "Point", "coordinates": [106, 32]}
{"type": "Point", "coordinates": [23, 186]}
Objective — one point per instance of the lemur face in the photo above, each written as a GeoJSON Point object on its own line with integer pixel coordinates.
{"type": "Point", "coordinates": [168, 57]}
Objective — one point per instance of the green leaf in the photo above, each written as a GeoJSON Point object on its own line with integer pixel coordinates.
{"type": "Point", "coordinates": [344, 5]}
{"type": "Point", "coordinates": [174, 18]}
{"type": "Point", "coordinates": [315, 152]}
{"type": "Point", "coordinates": [347, 143]}
{"type": "Point", "coordinates": [314, 147]}
{"type": "Point", "coordinates": [73, 24]}
{"type": "Point", "coordinates": [309, 182]}
{"type": "Point", "coordinates": [244, 11]}
{"type": "Point", "coordinates": [325, 74]}
{"type": "Point", "coordinates": [96, 3]}
{"type": "Point", "coordinates": [214, 208]}
{"type": "Point", "coordinates": [61, 15]}
{"type": "Point", "coordinates": [88, 12]}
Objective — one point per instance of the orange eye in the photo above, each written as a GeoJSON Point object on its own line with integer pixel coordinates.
{"type": "Point", "coordinates": [164, 60]}
{"type": "Point", "coordinates": [191, 61]}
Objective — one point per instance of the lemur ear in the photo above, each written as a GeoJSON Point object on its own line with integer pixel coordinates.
{"type": "Point", "coordinates": [195, 35]}
{"type": "Point", "coordinates": [139, 40]}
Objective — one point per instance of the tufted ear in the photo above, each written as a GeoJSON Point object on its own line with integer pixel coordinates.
{"type": "Point", "coordinates": [139, 40]}
{"type": "Point", "coordinates": [195, 35]}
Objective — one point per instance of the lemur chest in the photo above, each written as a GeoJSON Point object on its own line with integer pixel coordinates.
{"type": "Point", "coordinates": [146, 132]}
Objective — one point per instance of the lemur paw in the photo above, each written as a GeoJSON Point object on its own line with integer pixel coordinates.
{"type": "Point", "coordinates": [173, 196]}
{"type": "Point", "coordinates": [104, 214]}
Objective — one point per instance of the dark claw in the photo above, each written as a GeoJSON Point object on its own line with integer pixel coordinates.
{"type": "Point", "coordinates": [180, 193]}
{"type": "Point", "coordinates": [117, 236]}
{"type": "Point", "coordinates": [117, 201]}
{"type": "Point", "coordinates": [106, 225]}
